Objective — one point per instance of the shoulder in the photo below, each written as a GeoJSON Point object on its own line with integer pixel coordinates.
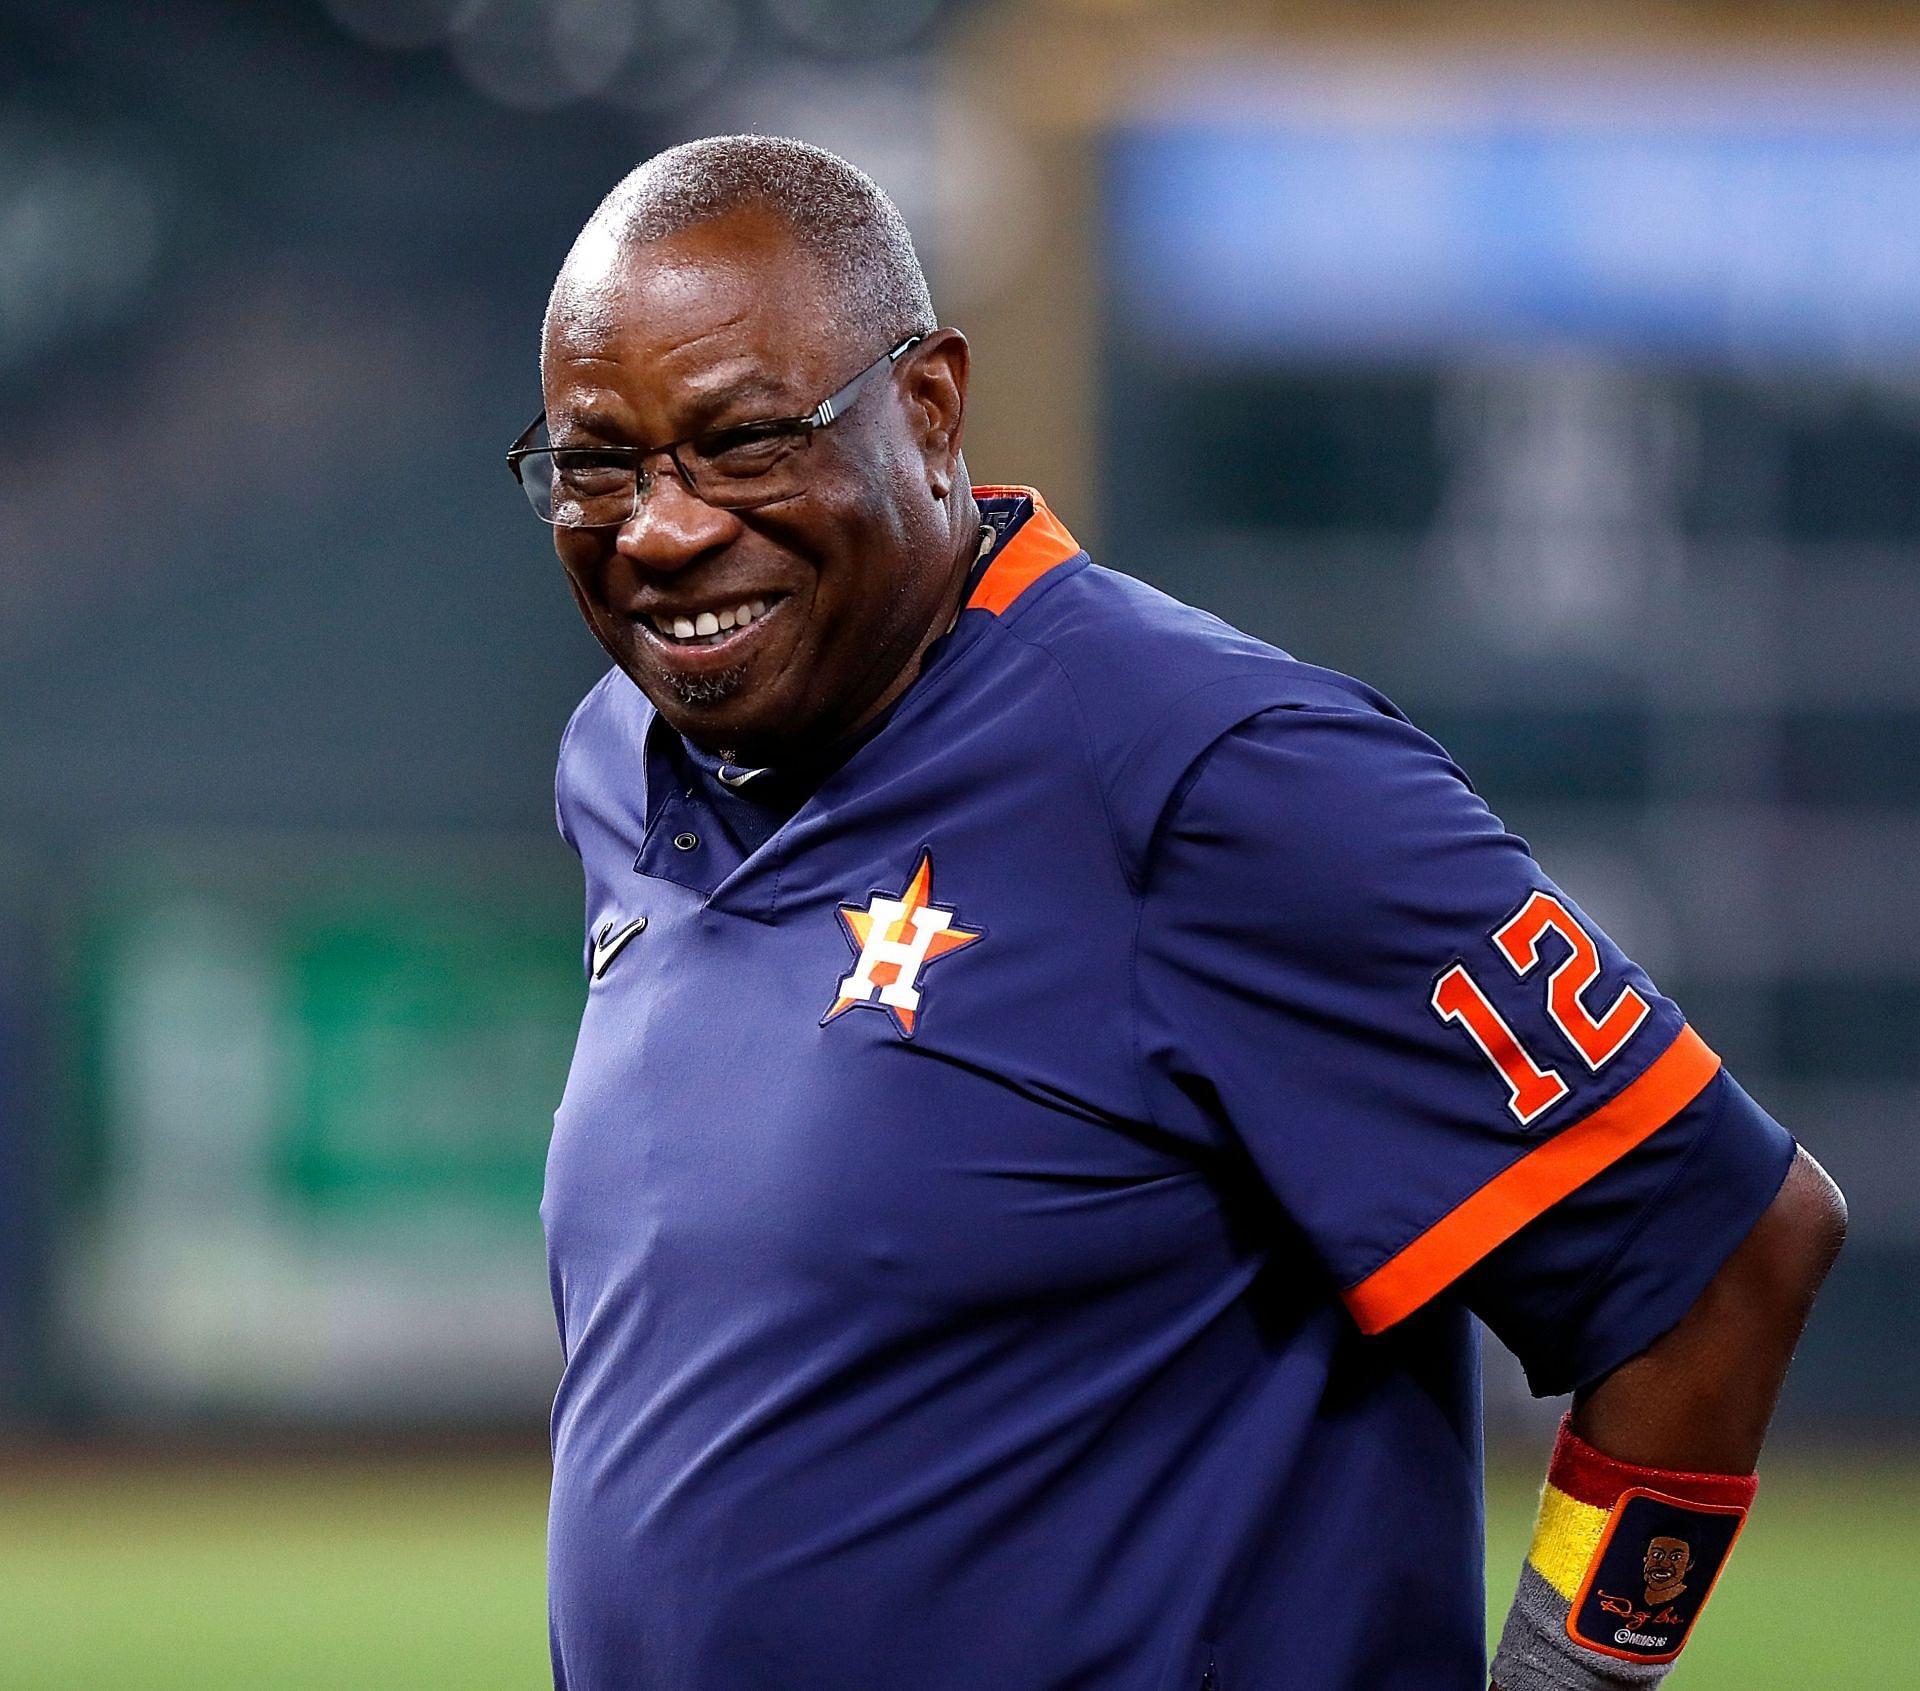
{"type": "Point", "coordinates": [1356, 804]}
{"type": "Point", "coordinates": [1143, 657]}
{"type": "Point", "coordinates": [1157, 686]}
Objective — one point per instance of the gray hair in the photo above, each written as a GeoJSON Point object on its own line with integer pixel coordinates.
{"type": "Point", "coordinates": [838, 215]}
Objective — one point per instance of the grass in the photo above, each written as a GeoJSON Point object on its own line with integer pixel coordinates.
{"type": "Point", "coordinates": [329, 1577]}
{"type": "Point", "coordinates": [384, 1575]}
{"type": "Point", "coordinates": [1813, 1596]}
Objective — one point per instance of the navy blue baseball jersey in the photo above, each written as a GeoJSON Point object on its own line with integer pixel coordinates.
{"type": "Point", "coordinates": [1017, 1206]}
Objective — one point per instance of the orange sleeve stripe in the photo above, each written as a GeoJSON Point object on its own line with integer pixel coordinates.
{"type": "Point", "coordinates": [1037, 545]}
{"type": "Point", "coordinates": [1429, 1264]}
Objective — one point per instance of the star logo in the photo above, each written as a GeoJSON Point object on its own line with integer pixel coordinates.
{"type": "Point", "coordinates": [894, 937]}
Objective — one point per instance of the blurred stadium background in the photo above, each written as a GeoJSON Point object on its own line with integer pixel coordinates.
{"type": "Point", "coordinates": [1555, 366]}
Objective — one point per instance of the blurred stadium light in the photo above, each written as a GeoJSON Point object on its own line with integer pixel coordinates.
{"type": "Point", "coordinates": [855, 28]}
{"type": "Point", "coordinates": [404, 23]}
{"type": "Point", "coordinates": [81, 214]}
{"type": "Point", "coordinates": [640, 55]}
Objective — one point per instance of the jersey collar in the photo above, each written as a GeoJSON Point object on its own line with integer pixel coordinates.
{"type": "Point", "coordinates": [1030, 542]}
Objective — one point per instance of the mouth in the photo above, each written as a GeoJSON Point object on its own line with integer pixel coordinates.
{"type": "Point", "coordinates": [720, 635]}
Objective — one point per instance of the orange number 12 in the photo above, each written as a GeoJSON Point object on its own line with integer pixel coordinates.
{"type": "Point", "coordinates": [1533, 1088]}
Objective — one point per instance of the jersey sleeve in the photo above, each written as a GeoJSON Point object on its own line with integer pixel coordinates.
{"type": "Point", "coordinates": [1673, 1208]}
{"type": "Point", "coordinates": [1349, 973]}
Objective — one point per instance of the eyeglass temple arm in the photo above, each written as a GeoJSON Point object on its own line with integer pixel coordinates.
{"type": "Point", "coordinates": [835, 404]}
{"type": "Point", "coordinates": [832, 406]}
{"type": "Point", "coordinates": [522, 442]}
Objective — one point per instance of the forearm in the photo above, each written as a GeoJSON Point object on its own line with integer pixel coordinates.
{"type": "Point", "coordinates": [1692, 1406]}
{"type": "Point", "coordinates": [1701, 1397]}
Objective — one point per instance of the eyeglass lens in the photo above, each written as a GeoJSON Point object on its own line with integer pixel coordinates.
{"type": "Point", "coordinates": [734, 468]}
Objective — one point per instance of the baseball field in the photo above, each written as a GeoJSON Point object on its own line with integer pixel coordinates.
{"type": "Point", "coordinates": [333, 1574]}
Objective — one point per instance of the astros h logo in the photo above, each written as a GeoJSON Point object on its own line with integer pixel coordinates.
{"type": "Point", "coordinates": [894, 937]}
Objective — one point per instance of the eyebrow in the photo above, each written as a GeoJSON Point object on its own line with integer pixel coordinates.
{"type": "Point", "coordinates": [704, 404]}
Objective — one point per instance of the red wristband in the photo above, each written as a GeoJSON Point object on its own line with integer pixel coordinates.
{"type": "Point", "coordinates": [1635, 1551]}
{"type": "Point", "coordinates": [1592, 1476]}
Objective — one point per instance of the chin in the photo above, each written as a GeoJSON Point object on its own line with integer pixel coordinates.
{"type": "Point", "coordinates": [712, 713]}
{"type": "Point", "coordinates": [696, 691]}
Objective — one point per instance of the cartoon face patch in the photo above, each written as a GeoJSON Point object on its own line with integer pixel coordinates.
{"type": "Point", "coordinates": [1651, 1575]}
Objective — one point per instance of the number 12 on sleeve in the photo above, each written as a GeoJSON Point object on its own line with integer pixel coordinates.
{"type": "Point", "coordinates": [1532, 1087]}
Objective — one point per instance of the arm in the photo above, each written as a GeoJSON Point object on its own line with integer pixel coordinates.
{"type": "Point", "coordinates": [1648, 1237]}
{"type": "Point", "coordinates": [1699, 1398]}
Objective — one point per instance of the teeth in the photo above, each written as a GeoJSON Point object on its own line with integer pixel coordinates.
{"type": "Point", "coordinates": [709, 623]}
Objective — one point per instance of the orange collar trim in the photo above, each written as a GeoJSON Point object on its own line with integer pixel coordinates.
{"type": "Point", "coordinates": [1039, 543]}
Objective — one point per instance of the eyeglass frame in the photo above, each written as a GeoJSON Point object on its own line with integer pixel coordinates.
{"type": "Point", "coordinates": [830, 410]}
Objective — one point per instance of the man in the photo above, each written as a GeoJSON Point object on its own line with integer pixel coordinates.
{"type": "Point", "coordinates": [1057, 1073]}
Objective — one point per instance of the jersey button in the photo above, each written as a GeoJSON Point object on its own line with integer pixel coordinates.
{"type": "Point", "coordinates": [685, 842]}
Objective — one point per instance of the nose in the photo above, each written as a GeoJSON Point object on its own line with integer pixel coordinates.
{"type": "Point", "coordinates": [674, 527]}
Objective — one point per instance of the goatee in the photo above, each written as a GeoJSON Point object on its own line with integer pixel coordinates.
{"type": "Point", "coordinates": [707, 689]}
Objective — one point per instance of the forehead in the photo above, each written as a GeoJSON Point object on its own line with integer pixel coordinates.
{"type": "Point", "coordinates": [729, 305]}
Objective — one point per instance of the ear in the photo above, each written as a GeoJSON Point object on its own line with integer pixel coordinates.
{"type": "Point", "coordinates": [936, 396]}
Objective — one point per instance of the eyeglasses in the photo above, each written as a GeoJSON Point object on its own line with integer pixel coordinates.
{"type": "Point", "coordinates": [735, 468]}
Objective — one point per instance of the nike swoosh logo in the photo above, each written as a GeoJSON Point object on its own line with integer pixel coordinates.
{"type": "Point", "coordinates": [608, 945]}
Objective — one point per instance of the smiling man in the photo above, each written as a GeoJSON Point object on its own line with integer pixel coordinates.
{"type": "Point", "coordinates": [827, 572]}
{"type": "Point", "coordinates": [1058, 1073]}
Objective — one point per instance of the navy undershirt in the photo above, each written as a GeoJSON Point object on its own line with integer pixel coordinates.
{"type": "Point", "coordinates": [750, 804]}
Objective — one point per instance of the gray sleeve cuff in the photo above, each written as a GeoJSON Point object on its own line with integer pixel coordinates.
{"type": "Point", "coordinates": [1536, 1654]}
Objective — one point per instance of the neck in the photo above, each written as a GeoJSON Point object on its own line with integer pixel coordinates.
{"type": "Point", "coordinates": [966, 524]}
{"type": "Point", "coordinates": [970, 540]}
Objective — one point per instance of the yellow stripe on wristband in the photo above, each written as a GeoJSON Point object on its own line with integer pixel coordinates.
{"type": "Point", "coordinates": [1565, 1536]}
